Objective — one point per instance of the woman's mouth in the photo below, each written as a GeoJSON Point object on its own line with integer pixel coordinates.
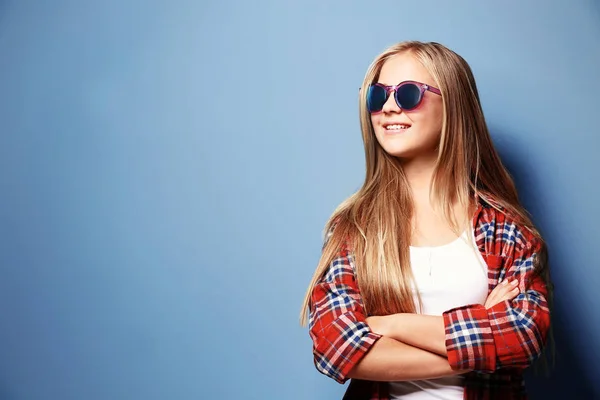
{"type": "Point", "coordinates": [396, 128]}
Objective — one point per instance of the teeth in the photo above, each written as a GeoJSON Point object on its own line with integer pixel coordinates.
{"type": "Point", "coordinates": [396, 127]}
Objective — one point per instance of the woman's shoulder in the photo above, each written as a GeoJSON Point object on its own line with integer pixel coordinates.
{"type": "Point", "coordinates": [498, 223]}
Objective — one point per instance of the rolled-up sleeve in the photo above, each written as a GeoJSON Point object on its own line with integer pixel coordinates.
{"type": "Point", "coordinates": [340, 335]}
{"type": "Point", "coordinates": [509, 334]}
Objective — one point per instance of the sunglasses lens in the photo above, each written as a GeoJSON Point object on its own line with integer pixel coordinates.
{"type": "Point", "coordinates": [376, 97]}
{"type": "Point", "coordinates": [409, 96]}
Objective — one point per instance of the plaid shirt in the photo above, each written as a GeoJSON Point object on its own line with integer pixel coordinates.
{"type": "Point", "coordinates": [496, 344]}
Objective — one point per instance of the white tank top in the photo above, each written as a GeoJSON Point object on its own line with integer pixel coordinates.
{"type": "Point", "coordinates": [447, 276]}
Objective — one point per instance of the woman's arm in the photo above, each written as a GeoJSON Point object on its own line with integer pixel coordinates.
{"type": "Point", "coordinates": [510, 334]}
{"type": "Point", "coordinates": [428, 332]}
{"type": "Point", "coordinates": [390, 360]}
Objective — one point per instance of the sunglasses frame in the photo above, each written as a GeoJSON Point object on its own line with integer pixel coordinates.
{"type": "Point", "coordinates": [423, 87]}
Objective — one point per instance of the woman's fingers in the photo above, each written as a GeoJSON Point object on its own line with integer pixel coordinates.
{"type": "Point", "coordinates": [505, 290]}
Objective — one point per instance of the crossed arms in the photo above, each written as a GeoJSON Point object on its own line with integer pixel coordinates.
{"type": "Point", "coordinates": [508, 331]}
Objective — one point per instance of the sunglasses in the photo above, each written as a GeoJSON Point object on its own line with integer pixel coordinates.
{"type": "Point", "coordinates": [408, 95]}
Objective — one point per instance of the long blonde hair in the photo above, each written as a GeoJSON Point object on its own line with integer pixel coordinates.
{"type": "Point", "coordinates": [375, 222]}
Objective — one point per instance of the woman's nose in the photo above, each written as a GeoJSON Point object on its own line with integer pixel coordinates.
{"type": "Point", "coordinates": [390, 104]}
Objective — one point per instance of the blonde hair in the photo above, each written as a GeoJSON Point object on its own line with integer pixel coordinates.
{"type": "Point", "coordinates": [375, 222]}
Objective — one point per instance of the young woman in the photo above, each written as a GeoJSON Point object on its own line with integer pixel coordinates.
{"type": "Point", "coordinates": [433, 281]}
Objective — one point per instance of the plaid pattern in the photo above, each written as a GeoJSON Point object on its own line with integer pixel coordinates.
{"type": "Point", "coordinates": [337, 327]}
{"type": "Point", "coordinates": [497, 344]}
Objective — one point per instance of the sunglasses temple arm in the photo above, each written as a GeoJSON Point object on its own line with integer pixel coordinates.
{"type": "Point", "coordinates": [433, 90]}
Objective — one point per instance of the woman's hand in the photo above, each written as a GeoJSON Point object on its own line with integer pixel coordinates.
{"type": "Point", "coordinates": [503, 291]}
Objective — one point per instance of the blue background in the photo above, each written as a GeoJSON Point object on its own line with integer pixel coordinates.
{"type": "Point", "coordinates": [166, 169]}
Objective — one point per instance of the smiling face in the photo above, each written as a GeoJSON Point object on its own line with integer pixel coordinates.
{"type": "Point", "coordinates": [408, 134]}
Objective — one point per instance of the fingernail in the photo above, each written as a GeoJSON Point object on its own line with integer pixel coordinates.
{"type": "Point", "coordinates": [514, 282]}
{"type": "Point", "coordinates": [503, 282]}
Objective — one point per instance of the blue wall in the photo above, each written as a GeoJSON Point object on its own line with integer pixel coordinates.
{"type": "Point", "coordinates": [166, 169]}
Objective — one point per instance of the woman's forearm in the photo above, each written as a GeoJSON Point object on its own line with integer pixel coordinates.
{"type": "Point", "coordinates": [390, 360]}
{"type": "Point", "coordinates": [426, 332]}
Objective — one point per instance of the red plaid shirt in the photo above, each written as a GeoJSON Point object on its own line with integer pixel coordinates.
{"type": "Point", "coordinates": [496, 343]}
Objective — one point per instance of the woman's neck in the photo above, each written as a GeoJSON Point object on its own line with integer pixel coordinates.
{"type": "Point", "coordinates": [419, 174]}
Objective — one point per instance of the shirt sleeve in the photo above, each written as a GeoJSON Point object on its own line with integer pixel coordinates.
{"type": "Point", "coordinates": [340, 335]}
{"type": "Point", "coordinates": [509, 334]}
